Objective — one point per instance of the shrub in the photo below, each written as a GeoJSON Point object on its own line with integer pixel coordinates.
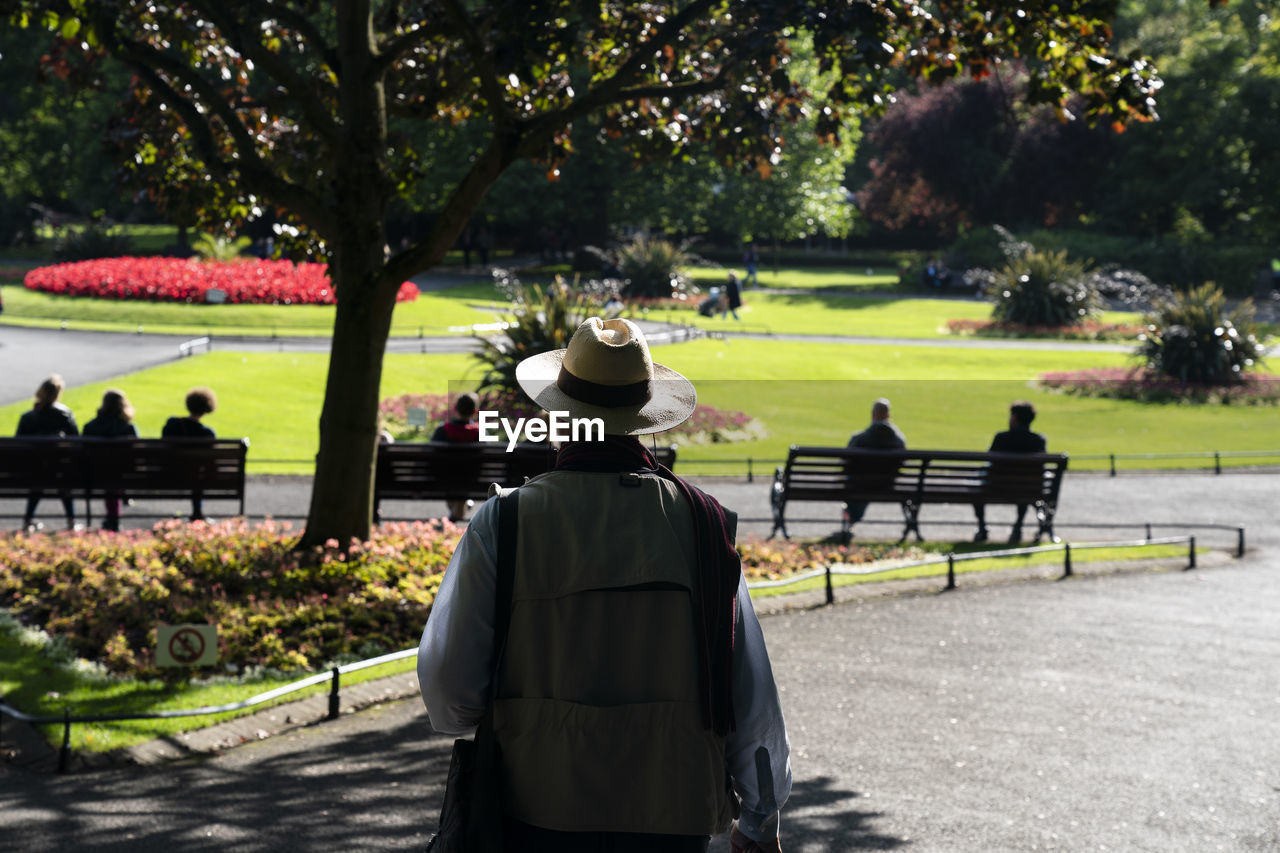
{"type": "Point", "coordinates": [88, 243]}
{"type": "Point", "coordinates": [650, 267]}
{"type": "Point", "coordinates": [540, 321]}
{"type": "Point", "coordinates": [104, 594]}
{"type": "Point", "coordinates": [181, 280]}
{"type": "Point", "coordinates": [1043, 289]}
{"type": "Point", "coordinates": [1192, 337]}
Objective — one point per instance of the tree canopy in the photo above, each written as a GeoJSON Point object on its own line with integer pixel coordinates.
{"type": "Point", "coordinates": [298, 109]}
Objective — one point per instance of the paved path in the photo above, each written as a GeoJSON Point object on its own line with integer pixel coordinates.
{"type": "Point", "coordinates": [1135, 712]}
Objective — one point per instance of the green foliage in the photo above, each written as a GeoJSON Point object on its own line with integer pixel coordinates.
{"type": "Point", "coordinates": [1043, 289]}
{"type": "Point", "coordinates": [652, 267]}
{"type": "Point", "coordinates": [84, 244]}
{"type": "Point", "coordinates": [541, 320]}
{"type": "Point", "coordinates": [102, 595]}
{"type": "Point", "coordinates": [218, 247]}
{"type": "Point", "coordinates": [1194, 338]}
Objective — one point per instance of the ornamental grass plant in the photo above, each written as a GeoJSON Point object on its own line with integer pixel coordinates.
{"type": "Point", "coordinates": [1195, 338]}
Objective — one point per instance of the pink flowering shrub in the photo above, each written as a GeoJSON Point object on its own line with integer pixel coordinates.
{"type": "Point", "coordinates": [1147, 386]}
{"type": "Point", "coordinates": [1086, 330]}
{"type": "Point", "coordinates": [707, 425]}
{"type": "Point", "coordinates": [775, 559]}
{"type": "Point", "coordinates": [180, 280]}
{"type": "Point", "coordinates": [106, 594]}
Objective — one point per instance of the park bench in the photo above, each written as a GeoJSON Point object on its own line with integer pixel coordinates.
{"type": "Point", "coordinates": [913, 478]}
{"type": "Point", "coordinates": [141, 468]}
{"type": "Point", "coordinates": [442, 470]}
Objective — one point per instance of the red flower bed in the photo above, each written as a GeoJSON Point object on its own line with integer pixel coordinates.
{"type": "Point", "coordinates": [179, 280]}
{"type": "Point", "coordinates": [1122, 383]}
{"type": "Point", "coordinates": [1088, 330]}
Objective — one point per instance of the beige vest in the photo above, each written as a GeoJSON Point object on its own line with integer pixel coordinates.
{"type": "Point", "coordinates": [598, 714]}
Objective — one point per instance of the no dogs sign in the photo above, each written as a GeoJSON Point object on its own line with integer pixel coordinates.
{"type": "Point", "coordinates": [186, 645]}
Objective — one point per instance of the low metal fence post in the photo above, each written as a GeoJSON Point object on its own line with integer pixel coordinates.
{"type": "Point", "coordinates": [64, 754]}
{"type": "Point", "coordinates": [750, 478]}
{"type": "Point", "coordinates": [1239, 541]}
{"type": "Point", "coordinates": [1066, 559]}
{"type": "Point", "coordinates": [1148, 531]}
{"type": "Point", "coordinates": [831, 594]}
{"type": "Point", "coordinates": [951, 571]}
{"type": "Point", "coordinates": [333, 695]}
{"type": "Point", "coordinates": [1217, 462]}
{"type": "Point", "coordinates": [1113, 464]}
{"type": "Point", "coordinates": [1191, 552]}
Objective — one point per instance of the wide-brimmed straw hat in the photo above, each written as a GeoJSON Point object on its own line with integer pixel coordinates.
{"type": "Point", "coordinates": [606, 372]}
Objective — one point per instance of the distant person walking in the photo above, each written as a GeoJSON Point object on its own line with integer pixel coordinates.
{"type": "Point", "coordinates": [200, 402]}
{"type": "Point", "coordinates": [48, 418]}
{"type": "Point", "coordinates": [114, 420]}
{"type": "Point", "coordinates": [732, 298]}
{"type": "Point", "coordinates": [1018, 438]}
{"type": "Point", "coordinates": [881, 434]}
{"type": "Point", "coordinates": [751, 260]}
{"type": "Point", "coordinates": [462, 427]}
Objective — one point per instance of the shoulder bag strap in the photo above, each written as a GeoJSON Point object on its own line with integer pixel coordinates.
{"type": "Point", "coordinates": [508, 521]}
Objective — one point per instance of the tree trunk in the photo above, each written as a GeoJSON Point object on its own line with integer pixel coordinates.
{"type": "Point", "coordinates": [342, 492]}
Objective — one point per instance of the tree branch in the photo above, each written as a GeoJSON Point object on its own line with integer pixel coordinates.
{"type": "Point", "coordinates": [302, 24]}
{"type": "Point", "coordinates": [489, 85]}
{"type": "Point", "coordinates": [302, 90]}
{"type": "Point", "coordinates": [398, 46]}
{"type": "Point", "coordinates": [146, 59]}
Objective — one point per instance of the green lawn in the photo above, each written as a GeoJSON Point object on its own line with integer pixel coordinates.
{"type": "Point", "coordinates": [828, 313]}
{"type": "Point", "coordinates": [39, 684]}
{"type": "Point", "coordinates": [803, 393]}
{"type": "Point", "coordinates": [805, 278]}
{"type": "Point", "coordinates": [432, 313]}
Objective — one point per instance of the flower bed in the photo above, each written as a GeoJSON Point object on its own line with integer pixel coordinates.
{"type": "Point", "coordinates": [106, 594]}
{"type": "Point", "coordinates": [1148, 387]}
{"type": "Point", "coordinates": [180, 280]}
{"type": "Point", "coordinates": [1088, 330]}
{"type": "Point", "coordinates": [707, 425]}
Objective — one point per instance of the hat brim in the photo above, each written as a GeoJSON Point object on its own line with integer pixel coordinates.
{"type": "Point", "coordinates": [672, 402]}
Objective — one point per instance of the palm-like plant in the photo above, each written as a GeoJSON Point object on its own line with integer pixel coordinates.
{"type": "Point", "coordinates": [1193, 337]}
{"type": "Point", "coordinates": [1043, 289]}
{"type": "Point", "coordinates": [650, 267]}
{"type": "Point", "coordinates": [216, 247]}
{"type": "Point", "coordinates": [540, 321]}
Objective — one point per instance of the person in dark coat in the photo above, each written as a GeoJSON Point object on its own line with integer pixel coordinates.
{"type": "Point", "coordinates": [114, 420]}
{"type": "Point", "coordinates": [733, 298]}
{"type": "Point", "coordinates": [881, 434]}
{"type": "Point", "coordinates": [1018, 438]}
{"type": "Point", "coordinates": [48, 418]}
{"type": "Point", "coordinates": [200, 402]}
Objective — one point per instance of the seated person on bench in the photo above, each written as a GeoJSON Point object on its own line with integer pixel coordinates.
{"type": "Point", "coordinates": [1018, 438]}
{"type": "Point", "coordinates": [462, 427]}
{"type": "Point", "coordinates": [881, 434]}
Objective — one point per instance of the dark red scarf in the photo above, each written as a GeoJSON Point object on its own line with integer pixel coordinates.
{"type": "Point", "coordinates": [719, 568]}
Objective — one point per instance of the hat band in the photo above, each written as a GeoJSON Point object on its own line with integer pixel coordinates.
{"type": "Point", "coordinates": [605, 396]}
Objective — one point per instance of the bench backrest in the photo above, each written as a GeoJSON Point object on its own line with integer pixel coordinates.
{"type": "Point", "coordinates": [833, 473]}
{"type": "Point", "coordinates": [145, 467]}
{"type": "Point", "coordinates": [33, 464]}
{"type": "Point", "coordinates": [440, 469]}
{"type": "Point", "coordinates": [164, 467]}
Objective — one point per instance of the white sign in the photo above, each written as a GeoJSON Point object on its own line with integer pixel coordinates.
{"type": "Point", "coordinates": [186, 645]}
{"type": "Point", "coordinates": [416, 416]}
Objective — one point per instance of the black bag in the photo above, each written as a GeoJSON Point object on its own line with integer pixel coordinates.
{"type": "Point", "coordinates": [471, 814]}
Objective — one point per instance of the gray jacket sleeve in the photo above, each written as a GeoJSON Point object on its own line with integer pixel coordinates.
{"type": "Point", "coordinates": [457, 643]}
